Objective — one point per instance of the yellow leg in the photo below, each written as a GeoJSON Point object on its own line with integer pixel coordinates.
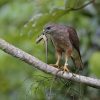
{"type": "Point", "coordinates": [66, 65]}
{"type": "Point", "coordinates": [58, 60]}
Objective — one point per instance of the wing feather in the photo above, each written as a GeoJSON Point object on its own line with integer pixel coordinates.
{"type": "Point", "coordinates": [75, 42]}
{"type": "Point", "coordinates": [73, 38]}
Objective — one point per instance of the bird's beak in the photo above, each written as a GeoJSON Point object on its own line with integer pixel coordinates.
{"type": "Point", "coordinates": [42, 36]}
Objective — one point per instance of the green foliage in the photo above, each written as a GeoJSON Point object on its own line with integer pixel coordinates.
{"type": "Point", "coordinates": [95, 64]}
{"type": "Point", "coordinates": [73, 3]}
{"type": "Point", "coordinates": [21, 21]}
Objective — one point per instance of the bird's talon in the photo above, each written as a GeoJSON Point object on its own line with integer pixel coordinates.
{"type": "Point", "coordinates": [65, 69]}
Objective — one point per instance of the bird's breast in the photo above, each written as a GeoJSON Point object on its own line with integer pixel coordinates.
{"type": "Point", "coordinates": [60, 42]}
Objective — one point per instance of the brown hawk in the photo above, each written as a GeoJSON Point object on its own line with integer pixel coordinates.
{"type": "Point", "coordinates": [65, 41]}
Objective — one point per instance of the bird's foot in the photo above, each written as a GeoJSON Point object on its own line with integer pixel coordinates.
{"type": "Point", "coordinates": [65, 69]}
{"type": "Point", "coordinates": [55, 65]}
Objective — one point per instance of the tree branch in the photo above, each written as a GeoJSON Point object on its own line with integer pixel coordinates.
{"type": "Point", "coordinates": [83, 6]}
{"type": "Point", "coordinates": [31, 60]}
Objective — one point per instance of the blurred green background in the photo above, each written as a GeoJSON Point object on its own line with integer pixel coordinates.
{"type": "Point", "coordinates": [21, 21]}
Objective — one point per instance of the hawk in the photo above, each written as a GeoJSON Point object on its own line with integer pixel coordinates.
{"type": "Point", "coordinates": [66, 42]}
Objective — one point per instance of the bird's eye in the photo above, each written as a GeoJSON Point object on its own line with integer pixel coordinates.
{"type": "Point", "coordinates": [48, 28]}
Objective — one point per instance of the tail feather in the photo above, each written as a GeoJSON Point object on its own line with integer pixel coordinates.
{"type": "Point", "coordinates": [76, 57]}
{"type": "Point", "coordinates": [78, 63]}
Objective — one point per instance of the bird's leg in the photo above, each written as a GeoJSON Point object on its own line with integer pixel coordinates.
{"type": "Point", "coordinates": [58, 60]}
{"type": "Point", "coordinates": [67, 55]}
{"type": "Point", "coordinates": [66, 64]}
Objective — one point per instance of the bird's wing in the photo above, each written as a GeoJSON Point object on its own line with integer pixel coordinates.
{"type": "Point", "coordinates": [75, 42]}
{"type": "Point", "coordinates": [74, 38]}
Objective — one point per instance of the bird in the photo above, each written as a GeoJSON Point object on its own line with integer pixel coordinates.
{"type": "Point", "coordinates": [65, 41]}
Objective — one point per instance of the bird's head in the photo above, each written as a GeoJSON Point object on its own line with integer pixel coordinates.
{"type": "Point", "coordinates": [49, 28]}
{"type": "Point", "coordinates": [47, 31]}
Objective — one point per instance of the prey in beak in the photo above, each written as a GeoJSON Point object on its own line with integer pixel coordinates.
{"type": "Point", "coordinates": [41, 37]}
{"type": "Point", "coordinates": [45, 39]}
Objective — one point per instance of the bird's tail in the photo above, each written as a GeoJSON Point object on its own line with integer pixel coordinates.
{"type": "Point", "coordinates": [78, 63]}
{"type": "Point", "coordinates": [76, 57]}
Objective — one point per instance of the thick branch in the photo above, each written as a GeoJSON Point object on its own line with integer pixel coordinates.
{"type": "Point", "coordinates": [31, 60]}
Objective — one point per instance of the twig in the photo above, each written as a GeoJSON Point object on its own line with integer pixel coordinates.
{"type": "Point", "coordinates": [83, 5]}
{"type": "Point", "coordinates": [31, 60]}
